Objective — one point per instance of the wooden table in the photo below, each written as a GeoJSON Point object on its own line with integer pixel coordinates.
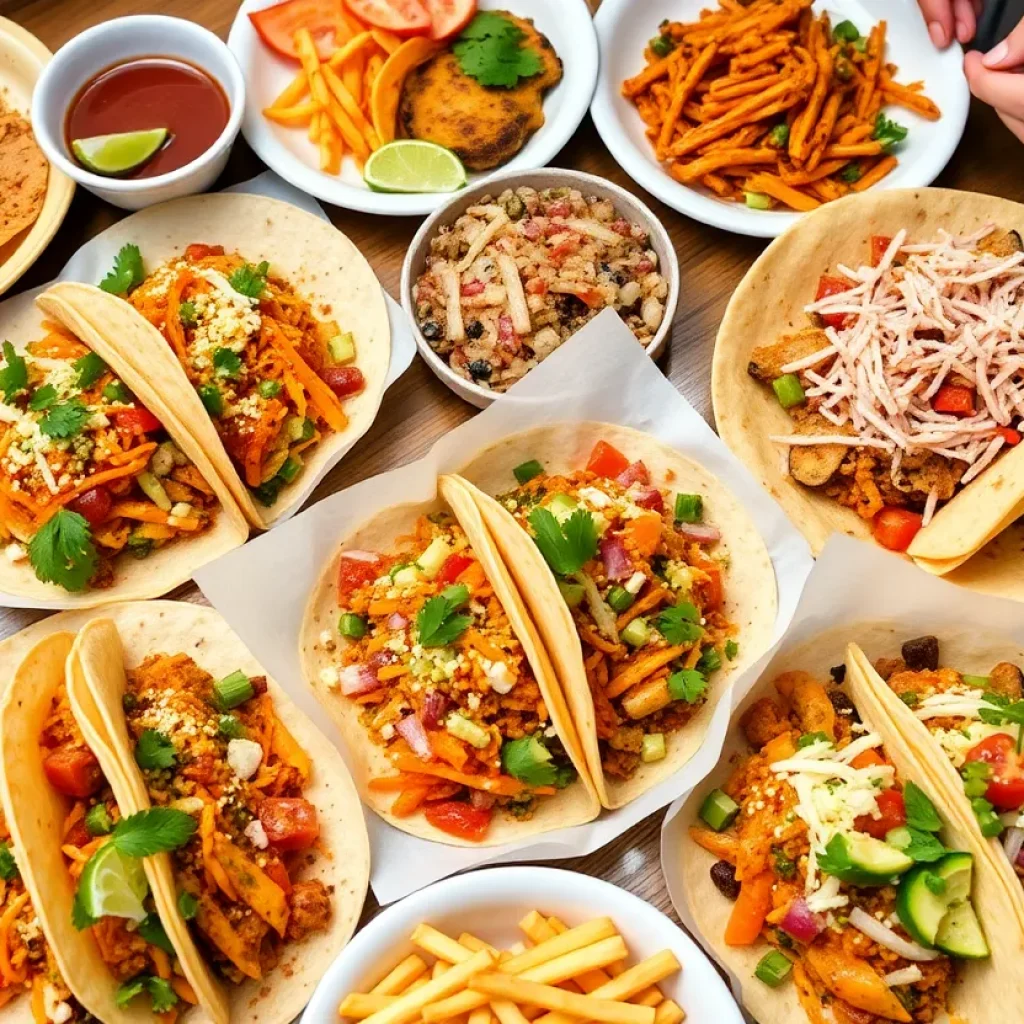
{"type": "Point", "coordinates": [419, 409]}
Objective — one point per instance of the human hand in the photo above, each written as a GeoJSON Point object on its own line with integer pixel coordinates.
{"type": "Point", "coordinates": [996, 78]}
{"type": "Point", "coordinates": [951, 19]}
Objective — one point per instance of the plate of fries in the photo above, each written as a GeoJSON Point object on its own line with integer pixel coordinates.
{"type": "Point", "coordinates": [517, 945]}
{"type": "Point", "coordinates": [745, 115]}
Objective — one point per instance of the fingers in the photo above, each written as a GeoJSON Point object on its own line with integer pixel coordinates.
{"type": "Point", "coordinates": [938, 16]}
{"type": "Point", "coordinates": [1007, 54]}
{"type": "Point", "coordinates": [965, 20]}
{"type": "Point", "coordinates": [1015, 124]}
{"type": "Point", "coordinates": [1003, 90]}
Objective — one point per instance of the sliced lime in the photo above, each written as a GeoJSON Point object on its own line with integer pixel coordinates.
{"type": "Point", "coordinates": [411, 165]}
{"type": "Point", "coordinates": [118, 154]}
{"type": "Point", "coordinates": [113, 885]}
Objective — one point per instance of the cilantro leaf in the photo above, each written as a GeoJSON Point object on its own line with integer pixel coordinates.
{"type": "Point", "coordinates": [162, 994]}
{"type": "Point", "coordinates": [809, 738]}
{"type": "Point", "coordinates": [188, 905]}
{"type": "Point", "coordinates": [129, 990]}
{"type": "Point", "coordinates": [153, 932]}
{"type": "Point", "coordinates": [491, 50]}
{"type": "Point", "coordinates": [187, 314]}
{"type": "Point", "coordinates": [8, 865]}
{"type": "Point", "coordinates": [14, 375]}
{"type": "Point", "coordinates": [687, 685]}
{"type": "Point", "coordinates": [731, 649]}
{"type": "Point", "coordinates": [921, 813]}
{"type": "Point", "coordinates": [226, 363]}
{"type": "Point", "coordinates": [835, 859]}
{"type": "Point", "coordinates": [923, 847]}
{"type": "Point", "coordinates": [65, 419]}
{"type": "Point", "coordinates": [154, 750]}
{"type": "Point", "coordinates": [62, 551]}
{"type": "Point", "coordinates": [888, 132]}
{"type": "Point", "coordinates": [529, 760]}
{"type": "Point", "coordinates": [90, 368]}
{"type": "Point", "coordinates": [851, 173]}
{"type": "Point", "coordinates": [80, 917]}
{"type": "Point", "coordinates": [679, 625]}
{"type": "Point", "coordinates": [437, 621]}
{"type": "Point", "coordinates": [157, 830]}
{"type": "Point", "coordinates": [127, 274]}
{"type": "Point", "coordinates": [42, 398]}
{"type": "Point", "coordinates": [249, 280]}
{"type": "Point", "coordinates": [710, 661]}
{"type": "Point", "coordinates": [566, 548]}
{"type": "Point", "coordinates": [489, 23]}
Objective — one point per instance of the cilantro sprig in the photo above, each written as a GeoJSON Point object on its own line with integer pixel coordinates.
{"type": "Point", "coordinates": [567, 546]}
{"type": "Point", "coordinates": [249, 280]}
{"type": "Point", "coordinates": [227, 363]}
{"type": "Point", "coordinates": [160, 992]}
{"type": "Point", "coordinates": [14, 374]}
{"type": "Point", "coordinates": [62, 551]}
{"type": "Point", "coordinates": [157, 830]}
{"type": "Point", "coordinates": [680, 624]}
{"type": "Point", "coordinates": [65, 419]}
{"type": "Point", "coordinates": [530, 761]}
{"type": "Point", "coordinates": [1004, 711]}
{"type": "Point", "coordinates": [127, 273]}
{"type": "Point", "coordinates": [888, 132]}
{"type": "Point", "coordinates": [42, 398]}
{"type": "Point", "coordinates": [8, 865]}
{"type": "Point", "coordinates": [439, 622]}
{"type": "Point", "coordinates": [154, 750]}
{"type": "Point", "coordinates": [490, 49]}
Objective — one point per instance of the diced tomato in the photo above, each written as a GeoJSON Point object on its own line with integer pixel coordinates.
{"type": "Point", "coordinates": [954, 399]}
{"type": "Point", "coordinates": [1009, 435]}
{"type": "Point", "coordinates": [593, 297]}
{"type": "Point", "coordinates": [449, 17]}
{"type": "Point", "coordinates": [1006, 784]}
{"type": "Point", "coordinates": [893, 815]}
{"type": "Point", "coordinates": [459, 819]}
{"type": "Point", "coordinates": [559, 208]}
{"type": "Point", "coordinates": [879, 247]}
{"type": "Point", "coordinates": [621, 227]}
{"type": "Point", "coordinates": [454, 566]}
{"type": "Point", "coordinates": [78, 835]}
{"type": "Point", "coordinates": [606, 461]}
{"type": "Point", "coordinates": [566, 248]}
{"type": "Point", "coordinates": [649, 497]}
{"type": "Point", "coordinates": [278, 873]}
{"type": "Point", "coordinates": [93, 505]}
{"type": "Point", "coordinates": [536, 286]}
{"type": "Point", "coordinates": [198, 251]}
{"type": "Point", "coordinates": [832, 286]}
{"type": "Point", "coordinates": [136, 421]}
{"type": "Point", "coordinates": [471, 288]}
{"type": "Point", "coordinates": [344, 381]}
{"type": "Point", "coordinates": [403, 17]}
{"type": "Point", "coordinates": [290, 822]}
{"type": "Point", "coordinates": [895, 528]}
{"type": "Point", "coordinates": [73, 771]}
{"type": "Point", "coordinates": [506, 329]}
{"type": "Point", "coordinates": [277, 25]}
{"type": "Point", "coordinates": [354, 573]}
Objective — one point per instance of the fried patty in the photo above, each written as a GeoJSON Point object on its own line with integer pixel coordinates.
{"type": "Point", "coordinates": [23, 176]}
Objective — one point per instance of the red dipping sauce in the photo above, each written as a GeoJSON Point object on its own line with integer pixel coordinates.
{"type": "Point", "coordinates": [152, 92]}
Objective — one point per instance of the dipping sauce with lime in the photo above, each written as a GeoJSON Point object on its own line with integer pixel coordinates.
{"type": "Point", "coordinates": [144, 94]}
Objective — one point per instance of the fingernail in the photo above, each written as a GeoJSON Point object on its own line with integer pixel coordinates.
{"type": "Point", "coordinates": [938, 34]}
{"type": "Point", "coordinates": [963, 32]}
{"type": "Point", "coordinates": [996, 55]}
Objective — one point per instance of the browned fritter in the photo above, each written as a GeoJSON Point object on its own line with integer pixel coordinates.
{"type": "Point", "coordinates": [23, 176]}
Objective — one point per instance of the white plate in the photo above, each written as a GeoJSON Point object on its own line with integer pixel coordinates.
{"type": "Point", "coordinates": [567, 23]}
{"type": "Point", "coordinates": [625, 26]}
{"type": "Point", "coordinates": [490, 903]}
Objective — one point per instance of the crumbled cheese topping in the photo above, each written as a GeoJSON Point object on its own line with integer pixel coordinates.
{"type": "Point", "coordinates": [244, 756]}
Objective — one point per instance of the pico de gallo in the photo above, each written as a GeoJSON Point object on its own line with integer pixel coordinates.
{"type": "Point", "coordinates": [636, 565]}
{"type": "Point", "coordinates": [87, 473]}
{"type": "Point", "coordinates": [272, 375]}
{"type": "Point", "coordinates": [431, 660]}
{"type": "Point", "coordinates": [837, 864]}
{"type": "Point", "coordinates": [904, 386]}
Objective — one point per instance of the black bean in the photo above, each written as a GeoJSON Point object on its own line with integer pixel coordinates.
{"type": "Point", "coordinates": [838, 674]}
{"type": "Point", "coordinates": [921, 653]}
{"type": "Point", "coordinates": [431, 330]}
{"type": "Point", "coordinates": [474, 329]}
{"type": "Point", "coordinates": [480, 369]}
{"type": "Point", "coordinates": [723, 874]}
{"type": "Point", "coordinates": [841, 703]}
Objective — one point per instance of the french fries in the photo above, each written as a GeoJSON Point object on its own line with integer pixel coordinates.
{"type": "Point", "coordinates": [769, 104]}
{"type": "Point", "coordinates": [559, 975]}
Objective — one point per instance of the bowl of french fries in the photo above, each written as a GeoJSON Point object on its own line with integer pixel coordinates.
{"type": "Point", "coordinates": [520, 945]}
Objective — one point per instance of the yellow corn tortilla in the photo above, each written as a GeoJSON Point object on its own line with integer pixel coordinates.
{"type": "Point", "coordinates": [748, 578]}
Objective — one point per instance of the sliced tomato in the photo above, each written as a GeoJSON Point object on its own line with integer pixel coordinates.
{"type": "Point", "coordinates": [1006, 785]}
{"type": "Point", "coordinates": [454, 566]}
{"type": "Point", "coordinates": [199, 251]}
{"type": "Point", "coordinates": [893, 815]}
{"type": "Point", "coordinates": [1009, 435]}
{"type": "Point", "coordinates": [93, 505]}
{"type": "Point", "coordinates": [832, 286]}
{"type": "Point", "coordinates": [449, 17]}
{"type": "Point", "coordinates": [324, 19]}
{"type": "Point", "coordinates": [73, 771]}
{"type": "Point", "coordinates": [403, 17]}
{"type": "Point", "coordinates": [459, 819]}
{"type": "Point", "coordinates": [606, 460]}
{"type": "Point", "coordinates": [954, 399]}
{"type": "Point", "coordinates": [290, 822]}
{"type": "Point", "coordinates": [136, 421]}
{"type": "Point", "coordinates": [895, 528]}
{"type": "Point", "coordinates": [879, 247]}
{"type": "Point", "coordinates": [354, 573]}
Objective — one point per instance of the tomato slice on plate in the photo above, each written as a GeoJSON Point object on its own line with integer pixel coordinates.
{"type": "Point", "coordinates": [277, 25]}
{"type": "Point", "coordinates": [403, 17]}
{"type": "Point", "coordinates": [449, 17]}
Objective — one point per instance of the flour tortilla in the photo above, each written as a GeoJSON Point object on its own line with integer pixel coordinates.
{"type": "Point", "coordinates": [980, 985]}
{"type": "Point", "coordinates": [748, 576]}
{"type": "Point", "coordinates": [102, 651]}
{"type": "Point", "coordinates": [167, 567]}
{"type": "Point", "coordinates": [316, 259]}
{"type": "Point", "coordinates": [769, 302]}
{"type": "Point", "coordinates": [574, 805]}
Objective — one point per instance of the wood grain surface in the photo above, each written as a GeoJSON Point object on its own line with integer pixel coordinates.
{"type": "Point", "coordinates": [419, 409]}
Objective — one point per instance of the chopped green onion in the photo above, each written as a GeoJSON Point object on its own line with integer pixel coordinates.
{"type": "Point", "coordinates": [98, 821]}
{"type": "Point", "coordinates": [719, 810]}
{"type": "Point", "coordinates": [757, 200]}
{"type": "Point", "coordinates": [230, 727]}
{"type": "Point", "coordinates": [115, 391]}
{"type": "Point", "coordinates": [845, 32]}
{"type": "Point", "coordinates": [637, 633]}
{"type": "Point", "coordinates": [779, 135]}
{"type": "Point", "coordinates": [211, 398]}
{"type": "Point", "coordinates": [731, 649]}
{"type": "Point", "coordinates": [233, 690]}
{"type": "Point", "coordinates": [662, 46]}
{"type": "Point", "coordinates": [351, 625]}
{"type": "Point", "coordinates": [308, 429]}
{"type": "Point", "coordinates": [290, 469]}
{"type": "Point", "coordinates": [773, 968]}
{"type": "Point", "coordinates": [689, 508]}
{"type": "Point", "coordinates": [620, 599]}
{"type": "Point", "coordinates": [269, 388]}
{"type": "Point", "coordinates": [652, 747]}
{"type": "Point", "coordinates": [526, 471]}
{"type": "Point", "coordinates": [788, 390]}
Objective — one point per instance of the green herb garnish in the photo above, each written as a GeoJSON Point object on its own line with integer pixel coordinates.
{"type": "Point", "coordinates": [127, 274]}
{"type": "Point", "coordinates": [62, 551]}
{"type": "Point", "coordinates": [490, 49]}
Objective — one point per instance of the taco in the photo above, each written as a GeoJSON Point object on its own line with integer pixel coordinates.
{"type": "Point", "coordinates": [646, 579]}
{"type": "Point", "coordinates": [268, 885]}
{"type": "Point", "coordinates": [100, 497]}
{"type": "Point", "coordinates": [866, 370]}
{"type": "Point", "coordinates": [265, 326]}
{"type": "Point", "coordinates": [418, 644]}
{"type": "Point", "coordinates": [825, 870]}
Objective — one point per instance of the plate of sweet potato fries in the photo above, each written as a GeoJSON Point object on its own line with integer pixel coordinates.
{"type": "Point", "coordinates": [746, 113]}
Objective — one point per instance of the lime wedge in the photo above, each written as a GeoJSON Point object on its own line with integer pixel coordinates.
{"type": "Point", "coordinates": [113, 885]}
{"type": "Point", "coordinates": [411, 165]}
{"type": "Point", "coordinates": [111, 155]}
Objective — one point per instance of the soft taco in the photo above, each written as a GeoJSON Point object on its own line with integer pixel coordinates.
{"type": "Point", "coordinates": [826, 871]}
{"type": "Point", "coordinates": [104, 493]}
{"type": "Point", "coordinates": [867, 371]}
{"type": "Point", "coordinates": [267, 327]}
{"type": "Point", "coordinates": [418, 645]}
{"type": "Point", "coordinates": [648, 582]}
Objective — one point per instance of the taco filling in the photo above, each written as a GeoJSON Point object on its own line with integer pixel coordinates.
{"type": "Point", "coordinates": [87, 473]}
{"type": "Point", "coordinates": [837, 864]}
{"type": "Point", "coordinates": [272, 374]}
{"type": "Point", "coordinates": [429, 653]}
{"type": "Point", "coordinates": [634, 565]}
{"type": "Point", "coordinates": [907, 383]}
{"type": "Point", "coordinates": [978, 722]}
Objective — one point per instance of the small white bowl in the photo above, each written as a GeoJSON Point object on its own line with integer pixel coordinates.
{"type": "Point", "coordinates": [551, 177]}
{"type": "Point", "coordinates": [111, 43]}
{"type": "Point", "coordinates": [490, 903]}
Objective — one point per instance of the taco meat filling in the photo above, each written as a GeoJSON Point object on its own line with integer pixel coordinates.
{"type": "Point", "coordinates": [432, 658]}
{"type": "Point", "coordinates": [87, 473]}
{"type": "Point", "coordinates": [837, 864]}
{"type": "Point", "coordinates": [216, 750]}
{"type": "Point", "coordinates": [634, 565]}
{"type": "Point", "coordinates": [907, 384]}
{"type": "Point", "coordinates": [270, 372]}
{"type": "Point", "coordinates": [978, 722]}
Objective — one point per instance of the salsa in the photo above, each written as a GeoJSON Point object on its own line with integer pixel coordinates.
{"type": "Point", "coordinates": [152, 92]}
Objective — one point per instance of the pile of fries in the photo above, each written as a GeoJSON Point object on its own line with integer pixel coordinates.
{"type": "Point", "coordinates": [765, 103]}
{"type": "Point", "coordinates": [564, 976]}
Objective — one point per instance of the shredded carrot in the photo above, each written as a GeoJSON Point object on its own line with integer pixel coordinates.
{"type": "Point", "coordinates": [393, 672]}
{"type": "Point", "coordinates": [396, 783]}
{"type": "Point", "coordinates": [500, 785]}
{"type": "Point", "coordinates": [10, 914]}
{"type": "Point", "coordinates": [475, 639]}
{"type": "Point", "coordinates": [183, 990]}
{"type": "Point", "coordinates": [384, 607]}
{"type": "Point", "coordinates": [175, 330]}
{"type": "Point", "coordinates": [323, 397]}
{"type": "Point", "coordinates": [408, 800]}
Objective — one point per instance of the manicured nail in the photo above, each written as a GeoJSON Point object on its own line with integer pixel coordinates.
{"type": "Point", "coordinates": [938, 34]}
{"type": "Point", "coordinates": [996, 55]}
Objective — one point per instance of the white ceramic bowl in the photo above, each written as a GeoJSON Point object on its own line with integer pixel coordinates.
{"type": "Point", "coordinates": [551, 177]}
{"type": "Point", "coordinates": [490, 903]}
{"type": "Point", "coordinates": [625, 26]}
{"type": "Point", "coordinates": [567, 23]}
{"type": "Point", "coordinates": [110, 43]}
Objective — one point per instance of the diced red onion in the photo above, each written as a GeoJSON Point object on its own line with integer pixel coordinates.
{"type": "Point", "coordinates": [885, 936]}
{"type": "Point", "coordinates": [480, 800]}
{"type": "Point", "coordinates": [435, 707]}
{"type": "Point", "coordinates": [699, 532]}
{"type": "Point", "coordinates": [1013, 843]}
{"type": "Point", "coordinates": [617, 564]}
{"type": "Point", "coordinates": [634, 473]}
{"type": "Point", "coordinates": [357, 679]}
{"type": "Point", "coordinates": [398, 621]}
{"type": "Point", "coordinates": [532, 229]}
{"type": "Point", "coordinates": [649, 497]}
{"type": "Point", "coordinates": [379, 659]}
{"type": "Point", "coordinates": [411, 730]}
{"type": "Point", "coordinates": [361, 556]}
{"type": "Point", "coordinates": [801, 922]}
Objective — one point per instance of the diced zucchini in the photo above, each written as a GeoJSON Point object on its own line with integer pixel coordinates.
{"type": "Point", "coordinates": [434, 557]}
{"type": "Point", "coordinates": [342, 347]}
{"type": "Point", "coordinates": [719, 810]}
{"type": "Point", "coordinates": [293, 428]}
{"type": "Point", "coordinates": [406, 575]}
{"type": "Point", "coordinates": [620, 599]}
{"type": "Point", "coordinates": [561, 506]}
{"type": "Point", "coordinates": [637, 633]}
{"type": "Point", "coordinates": [154, 490]}
{"type": "Point", "coordinates": [469, 732]}
{"type": "Point", "coordinates": [653, 747]}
